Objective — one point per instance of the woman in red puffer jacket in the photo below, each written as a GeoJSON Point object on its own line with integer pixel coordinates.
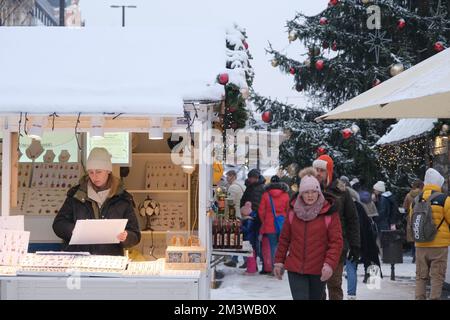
{"type": "Point", "coordinates": [310, 243]}
{"type": "Point", "coordinates": [276, 191]}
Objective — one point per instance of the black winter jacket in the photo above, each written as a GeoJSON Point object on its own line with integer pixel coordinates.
{"type": "Point", "coordinates": [253, 193]}
{"type": "Point", "coordinates": [78, 207]}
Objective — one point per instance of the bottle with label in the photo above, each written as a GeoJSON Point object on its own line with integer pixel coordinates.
{"type": "Point", "coordinates": [240, 235]}
{"type": "Point", "coordinates": [215, 232]}
{"type": "Point", "coordinates": [225, 234]}
{"type": "Point", "coordinates": [231, 211]}
{"type": "Point", "coordinates": [221, 204]}
{"type": "Point", "coordinates": [233, 235]}
{"type": "Point", "coordinates": [221, 234]}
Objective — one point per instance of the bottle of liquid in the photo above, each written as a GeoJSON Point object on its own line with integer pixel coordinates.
{"type": "Point", "coordinates": [221, 204]}
{"type": "Point", "coordinates": [215, 233]}
{"type": "Point", "coordinates": [233, 235]}
{"type": "Point", "coordinates": [221, 234]}
{"type": "Point", "coordinates": [240, 235]}
{"type": "Point", "coordinates": [225, 235]}
{"type": "Point", "coordinates": [231, 211]}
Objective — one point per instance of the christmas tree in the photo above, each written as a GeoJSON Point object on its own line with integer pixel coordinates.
{"type": "Point", "coordinates": [352, 45]}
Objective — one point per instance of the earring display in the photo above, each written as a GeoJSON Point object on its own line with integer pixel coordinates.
{"type": "Point", "coordinates": [13, 246]}
{"type": "Point", "coordinates": [24, 173]}
{"type": "Point", "coordinates": [62, 176]}
{"type": "Point", "coordinates": [173, 216]}
{"type": "Point", "coordinates": [165, 177]}
{"type": "Point", "coordinates": [144, 268]}
{"type": "Point", "coordinates": [43, 201]}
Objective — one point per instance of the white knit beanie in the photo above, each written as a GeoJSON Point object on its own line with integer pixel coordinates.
{"type": "Point", "coordinates": [379, 186]}
{"type": "Point", "coordinates": [320, 164]}
{"type": "Point", "coordinates": [99, 158]}
{"type": "Point", "coordinates": [433, 177]}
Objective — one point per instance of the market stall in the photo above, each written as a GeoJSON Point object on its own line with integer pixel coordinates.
{"type": "Point", "coordinates": [131, 87]}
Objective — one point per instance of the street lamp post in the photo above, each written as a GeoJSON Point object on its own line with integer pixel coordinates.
{"type": "Point", "coordinates": [123, 12]}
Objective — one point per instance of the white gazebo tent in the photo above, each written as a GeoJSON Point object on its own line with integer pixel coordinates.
{"type": "Point", "coordinates": [127, 76]}
{"type": "Point", "coordinates": [423, 91]}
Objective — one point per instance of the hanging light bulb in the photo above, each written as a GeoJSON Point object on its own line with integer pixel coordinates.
{"type": "Point", "coordinates": [155, 131]}
{"type": "Point", "coordinates": [97, 129]}
{"type": "Point", "coordinates": [37, 128]}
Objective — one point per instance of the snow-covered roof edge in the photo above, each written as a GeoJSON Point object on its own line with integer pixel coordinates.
{"type": "Point", "coordinates": [407, 129]}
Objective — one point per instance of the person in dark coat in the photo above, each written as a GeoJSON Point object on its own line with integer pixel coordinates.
{"type": "Point", "coordinates": [349, 220]}
{"type": "Point", "coordinates": [250, 220]}
{"type": "Point", "coordinates": [99, 195]}
{"type": "Point", "coordinates": [387, 207]}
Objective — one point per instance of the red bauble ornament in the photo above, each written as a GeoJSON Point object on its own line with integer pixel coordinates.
{"type": "Point", "coordinates": [325, 45]}
{"type": "Point", "coordinates": [376, 82]}
{"type": "Point", "coordinates": [334, 46]}
{"type": "Point", "coordinates": [323, 21]}
{"type": "Point", "coordinates": [292, 70]}
{"type": "Point", "coordinates": [232, 109]}
{"type": "Point", "coordinates": [401, 23]}
{"type": "Point", "coordinates": [299, 87]}
{"type": "Point", "coordinates": [438, 46]}
{"type": "Point", "coordinates": [223, 78]}
{"type": "Point", "coordinates": [333, 2]}
{"type": "Point", "coordinates": [320, 64]}
{"type": "Point", "coordinates": [266, 116]}
{"type": "Point", "coordinates": [321, 150]}
{"type": "Point", "coordinates": [347, 133]}
{"type": "Point", "coordinates": [245, 44]}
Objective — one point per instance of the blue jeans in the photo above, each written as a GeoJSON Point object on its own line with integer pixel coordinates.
{"type": "Point", "coordinates": [350, 268]}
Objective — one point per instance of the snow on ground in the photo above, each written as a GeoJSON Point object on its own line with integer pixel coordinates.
{"type": "Point", "coordinates": [237, 286]}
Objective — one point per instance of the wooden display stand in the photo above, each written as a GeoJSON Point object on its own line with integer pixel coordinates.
{"type": "Point", "coordinates": [153, 243]}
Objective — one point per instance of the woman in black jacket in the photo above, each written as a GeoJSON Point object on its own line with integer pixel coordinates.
{"type": "Point", "coordinates": [99, 195]}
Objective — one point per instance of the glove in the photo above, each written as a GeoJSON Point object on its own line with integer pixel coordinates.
{"type": "Point", "coordinates": [327, 272]}
{"type": "Point", "coordinates": [278, 270]}
{"type": "Point", "coordinates": [353, 255]}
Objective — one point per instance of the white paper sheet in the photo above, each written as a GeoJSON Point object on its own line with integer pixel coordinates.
{"type": "Point", "coordinates": [12, 223]}
{"type": "Point", "coordinates": [97, 231]}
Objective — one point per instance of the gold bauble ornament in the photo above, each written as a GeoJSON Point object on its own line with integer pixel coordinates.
{"type": "Point", "coordinates": [396, 69]}
{"type": "Point", "coordinates": [274, 63]}
{"type": "Point", "coordinates": [307, 63]}
{"type": "Point", "coordinates": [366, 1]}
{"type": "Point", "coordinates": [292, 36]}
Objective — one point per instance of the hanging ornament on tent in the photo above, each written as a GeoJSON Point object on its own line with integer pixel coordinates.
{"type": "Point", "coordinates": [299, 87]}
{"type": "Point", "coordinates": [334, 46]}
{"type": "Point", "coordinates": [347, 133]}
{"type": "Point", "coordinates": [245, 44]}
{"type": "Point", "coordinates": [438, 46]}
{"type": "Point", "coordinates": [323, 21]}
{"type": "Point", "coordinates": [292, 70]}
{"type": "Point", "coordinates": [321, 150]}
{"type": "Point", "coordinates": [274, 63]}
{"type": "Point", "coordinates": [376, 82]}
{"type": "Point", "coordinates": [292, 169]}
{"type": "Point", "coordinates": [320, 64]}
{"type": "Point", "coordinates": [307, 63]}
{"type": "Point", "coordinates": [396, 69]}
{"type": "Point", "coordinates": [401, 24]}
{"type": "Point", "coordinates": [445, 128]}
{"type": "Point", "coordinates": [266, 116]}
{"type": "Point", "coordinates": [355, 129]}
{"type": "Point", "coordinates": [292, 36]}
{"type": "Point", "coordinates": [223, 78]}
{"type": "Point", "coordinates": [232, 109]}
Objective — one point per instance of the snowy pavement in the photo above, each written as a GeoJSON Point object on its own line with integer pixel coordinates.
{"type": "Point", "coordinates": [237, 286]}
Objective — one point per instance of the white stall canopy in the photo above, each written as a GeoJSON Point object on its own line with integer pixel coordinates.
{"type": "Point", "coordinates": [423, 91]}
{"type": "Point", "coordinates": [134, 71]}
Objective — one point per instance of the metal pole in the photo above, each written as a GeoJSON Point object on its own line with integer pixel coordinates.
{"type": "Point", "coordinates": [62, 8]}
{"type": "Point", "coordinates": [123, 16]}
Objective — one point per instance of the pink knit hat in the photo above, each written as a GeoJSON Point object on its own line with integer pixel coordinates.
{"type": "Point", "coordinates": [309, 183]}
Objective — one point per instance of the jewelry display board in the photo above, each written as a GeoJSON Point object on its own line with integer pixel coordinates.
{"type": "Point", "coordinates": [172, 216]}
{"type": "Point", "coordinates": [165, 176]}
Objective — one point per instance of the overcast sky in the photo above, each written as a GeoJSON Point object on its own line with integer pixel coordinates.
{"type": "Point", "coordinates": [263, 20]}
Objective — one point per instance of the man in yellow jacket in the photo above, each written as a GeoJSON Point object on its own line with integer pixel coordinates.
{"type": "Point", "coordinates": [431, 257]}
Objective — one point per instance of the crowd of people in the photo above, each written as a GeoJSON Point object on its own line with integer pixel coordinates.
{"type": "Point", "coordinates": [331, 224]}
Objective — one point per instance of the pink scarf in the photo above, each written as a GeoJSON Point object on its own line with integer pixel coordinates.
{"type": "Point", "coordinates": [308, 212]}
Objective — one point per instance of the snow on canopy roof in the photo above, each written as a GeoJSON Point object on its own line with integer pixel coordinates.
{"type": "Point", "coordinates": [116, 70]}
{"type": "Point", "coordinates": [407, 129]}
